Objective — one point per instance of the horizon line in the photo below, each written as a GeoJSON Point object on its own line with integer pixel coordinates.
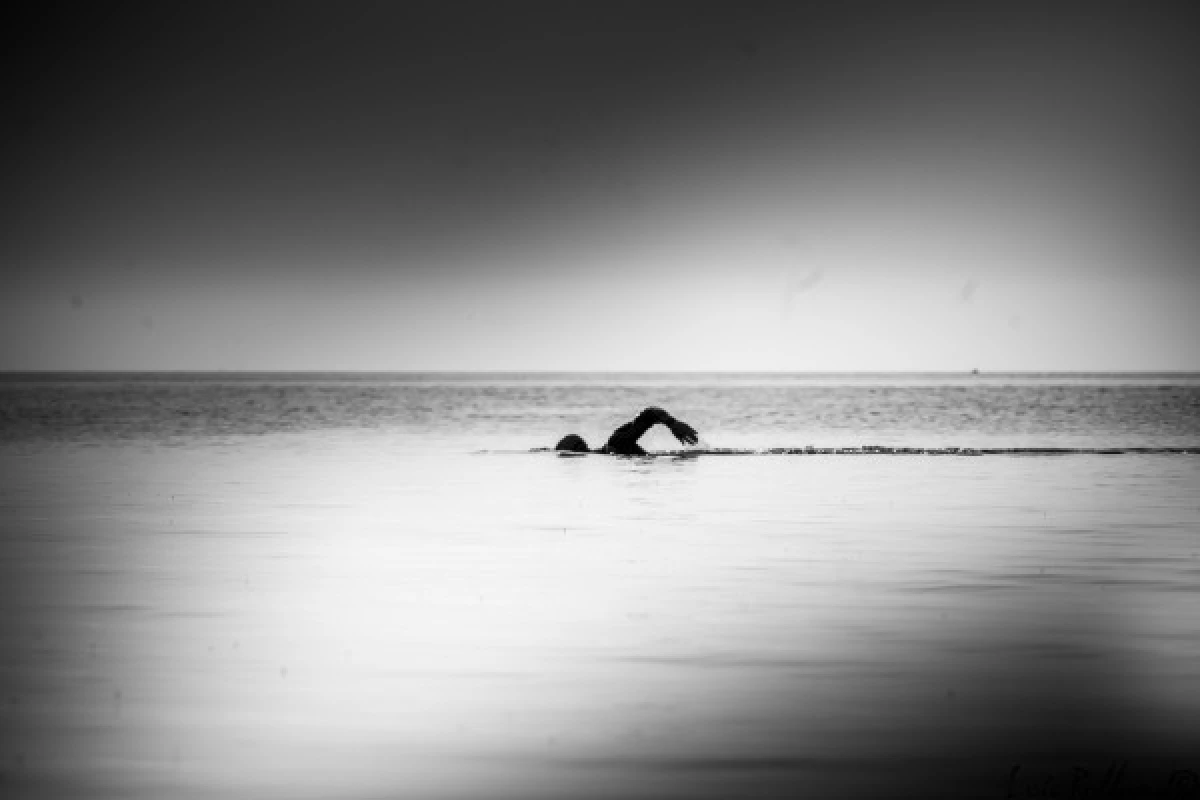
{"type": "Point", "coordinates": [974, 372]}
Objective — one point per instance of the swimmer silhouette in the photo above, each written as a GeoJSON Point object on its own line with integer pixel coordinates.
{"type": "Point", "coordinates": [624, 440]}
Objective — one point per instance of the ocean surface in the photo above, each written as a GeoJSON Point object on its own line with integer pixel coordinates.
{"type": "Point", "coordinates": [368, 586]}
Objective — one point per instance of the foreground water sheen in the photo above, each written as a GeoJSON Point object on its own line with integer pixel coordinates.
{"type": "Point", "coordinates": [315, 587]}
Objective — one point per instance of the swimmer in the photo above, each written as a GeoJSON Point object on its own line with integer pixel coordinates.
{"type": "Point", "coordinates": [624, 440]}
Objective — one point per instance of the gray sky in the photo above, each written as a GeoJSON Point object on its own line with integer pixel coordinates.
{"type": "Point", "coordinates": [902, 186]}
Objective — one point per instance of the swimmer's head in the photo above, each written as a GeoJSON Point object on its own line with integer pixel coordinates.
{"type": "Point", "coordinates": [572, 442]}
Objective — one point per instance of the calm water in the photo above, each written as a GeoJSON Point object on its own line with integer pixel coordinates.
{"type": "Point", "coordinates": [318, 586]}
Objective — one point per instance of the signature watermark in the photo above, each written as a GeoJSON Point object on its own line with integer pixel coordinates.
{"type": "Point", "coordinates": [1115, 780]}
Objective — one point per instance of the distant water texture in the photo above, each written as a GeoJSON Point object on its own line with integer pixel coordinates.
{"type": "Point", "coordinates": [366, 586]}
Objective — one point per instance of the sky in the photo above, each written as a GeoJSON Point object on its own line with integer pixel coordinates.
{"type": "Point", "coordinates": [601, 186]}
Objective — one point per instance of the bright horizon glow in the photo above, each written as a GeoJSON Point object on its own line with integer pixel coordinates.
{"type": "Point", "coordinates": [824, 191]}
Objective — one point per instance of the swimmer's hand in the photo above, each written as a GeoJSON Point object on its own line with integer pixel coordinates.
{"type": "Point", "coordinates": [685, 433]}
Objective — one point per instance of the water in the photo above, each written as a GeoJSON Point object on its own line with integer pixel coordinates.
{"type": "Point", "coordinates": [318, 586]}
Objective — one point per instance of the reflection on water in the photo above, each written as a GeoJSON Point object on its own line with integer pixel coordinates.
{"type": "Point", "coordinates": [382, 612]}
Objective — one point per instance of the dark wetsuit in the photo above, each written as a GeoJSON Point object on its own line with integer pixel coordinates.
{"type": "Point", "coordinates": [624, 440]}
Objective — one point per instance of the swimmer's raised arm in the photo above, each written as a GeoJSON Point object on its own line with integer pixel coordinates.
{"type": "Point", "coordinates": [685, 433]}
{"type": "Point", "coordinates": [624, 440]}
